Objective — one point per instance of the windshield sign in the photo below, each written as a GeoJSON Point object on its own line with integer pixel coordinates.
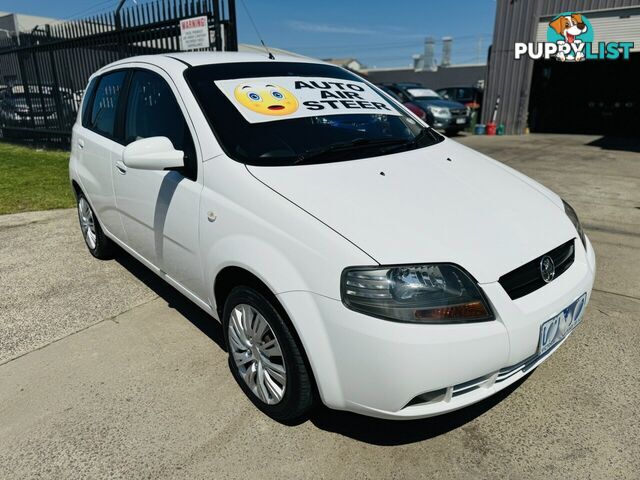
{"type": "Point", "coordinates": [290, 113]}
{"type": "Point", "coordinates": [266, 99]}
{"type": "Point", "coordinates": [422, 92]}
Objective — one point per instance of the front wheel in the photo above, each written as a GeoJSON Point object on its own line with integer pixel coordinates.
{"type": "Point", "coordinates": [264, 357]}
{"type": "Point", "coordinates": [97, 242]}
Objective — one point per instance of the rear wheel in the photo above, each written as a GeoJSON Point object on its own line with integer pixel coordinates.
{"type": "Point", "coordinates": [264, 357]}
{"type": "Point", "coordinates": [97, 242]}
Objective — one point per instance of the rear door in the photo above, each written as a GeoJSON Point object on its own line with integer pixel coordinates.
{"type": "Point", "coordinates": [97, 147]}
{"type": "Point", "coordinates": [159, 209]}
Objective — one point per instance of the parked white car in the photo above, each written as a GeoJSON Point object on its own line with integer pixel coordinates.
{"type": "Point", "coordinates": [353, 255]}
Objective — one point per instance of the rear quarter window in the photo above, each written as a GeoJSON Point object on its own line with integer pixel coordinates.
{"type": "Point", "coordinates": [102, 116]}
{"type": "Point", "coordinates": [87, 98]}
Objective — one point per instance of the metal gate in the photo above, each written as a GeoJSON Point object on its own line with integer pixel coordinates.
{"type": "Point", "coordinates": [43, 73]}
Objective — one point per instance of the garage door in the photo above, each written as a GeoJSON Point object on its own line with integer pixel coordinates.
{"type": "Point", "coordinates": [595, 96]}
{"type": "Point", "coordinates": [620, 25]}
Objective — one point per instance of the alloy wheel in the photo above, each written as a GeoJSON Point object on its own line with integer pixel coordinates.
{"type": "Point", "coordinates": [257, 354]}
{"type": "Point", "coordinates": [87, 223]}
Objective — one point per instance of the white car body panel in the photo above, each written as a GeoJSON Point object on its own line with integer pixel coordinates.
{"type": "Point", "coordinates": [96, 156]}
{"type": "Point", "coordinates": [297, 228]}
{"type": "Point", "coordinates": [258, 229]}
{"type": "Point", "coordinates": [425, 208]}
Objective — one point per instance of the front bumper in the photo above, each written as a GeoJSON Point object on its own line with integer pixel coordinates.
{"type": "Point", "coordinates": [377, 367]}
{"type": "Point", "coordinates": [450, 122]}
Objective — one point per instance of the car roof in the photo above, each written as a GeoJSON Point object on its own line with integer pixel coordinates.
{"type": "Point", "coordinates": [401, 84]}
{"type": "Point", "coordinates": [183, 60]}
{"type": "Point", "coordinates": [207, 58]}
{"type": "Point", "coordinates": [409, 84]}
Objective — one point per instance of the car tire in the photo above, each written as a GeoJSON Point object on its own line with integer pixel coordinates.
{"type": "Point", "coordinates": [265, 358]}
{"type": "Point", "coordinates": [451, 132]}
{"type": "Point", "coordinates": [97, 242]}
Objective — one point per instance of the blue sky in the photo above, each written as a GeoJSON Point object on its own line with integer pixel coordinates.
{"type": "Point", "coordinates": [378, 33]}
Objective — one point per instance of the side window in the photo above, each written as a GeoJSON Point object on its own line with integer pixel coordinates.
{"type": "Point", "coordinates": [86, 100]}
{"type": "Point", "coordinates": [403, 98]}
{"type": "Point", "coordinates": [152, 111]}
{"type": "Point", "coordinates": [103, 110]}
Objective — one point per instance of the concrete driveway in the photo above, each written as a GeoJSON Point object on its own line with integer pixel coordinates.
{"type": "Point", "coordinates": [105, 372]}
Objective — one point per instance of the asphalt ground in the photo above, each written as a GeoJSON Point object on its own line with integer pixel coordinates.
{"type": "Point", "coordinates": [106, 372]}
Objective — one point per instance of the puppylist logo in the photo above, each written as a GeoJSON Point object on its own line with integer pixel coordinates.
{"type": "Point", "coordinates": [570, 39]}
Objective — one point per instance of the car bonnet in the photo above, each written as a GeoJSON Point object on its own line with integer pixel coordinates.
{"type": "Point", "coordinates": [443, 203]}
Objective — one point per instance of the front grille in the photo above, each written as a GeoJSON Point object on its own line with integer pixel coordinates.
{"type": "Point", "coordinates": [459, 111]}
{"type": "Point", "coordinates": [527, 278]}
{"type": "Point", "coordinates": [470, 386]}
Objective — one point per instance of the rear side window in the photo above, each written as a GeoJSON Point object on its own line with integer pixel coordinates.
{"type": "Point", "coordinates": [401, 95]}
{"type": "Point", "coordinates": [103, 110]}
{"type": "Point", "coordinates": [86, 101]}
{"type": "Point", "coordinates": [466, 94]}
{"type": "Point", "coordinates": [152, 111]}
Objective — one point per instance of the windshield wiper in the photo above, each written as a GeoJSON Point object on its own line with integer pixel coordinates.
{"type": "Point", "coordinates": [314, 155]}
{"type": "Point", "coordinates": [414, 142]}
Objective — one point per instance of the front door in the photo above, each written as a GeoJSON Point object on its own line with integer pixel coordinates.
{"type": "Point", "coordinates": [159, 209]}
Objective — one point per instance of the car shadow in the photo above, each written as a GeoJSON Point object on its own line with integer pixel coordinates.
{"type": "Point", "coordinates": [167, 189]}
{"type": "Point", "coordinates": [401, 432]}
{"type": "Point", "coordinates": [624, 144]}
{"type": "Point", "coordinates": [176, 300]}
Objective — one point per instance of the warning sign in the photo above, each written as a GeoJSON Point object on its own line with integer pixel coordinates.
{"type": "Point", "coordinates": [194, 33]}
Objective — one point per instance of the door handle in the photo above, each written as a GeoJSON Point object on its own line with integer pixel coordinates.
{"type": "Point", "coordinates": [121, 167]}
{"type": "Point", "coordinates": [81, 143]}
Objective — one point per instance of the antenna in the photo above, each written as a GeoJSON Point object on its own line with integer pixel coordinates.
{"type": "Point", "coordinates": [244, 5]}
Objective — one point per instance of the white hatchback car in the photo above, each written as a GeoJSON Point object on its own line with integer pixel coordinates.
{"type": "Point", "coordinates": [352, 254]}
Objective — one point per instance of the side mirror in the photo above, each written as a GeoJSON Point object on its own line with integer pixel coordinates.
{"type": "Point", "coordinates": [154, 153]}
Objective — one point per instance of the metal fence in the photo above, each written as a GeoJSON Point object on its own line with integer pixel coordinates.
{"type": "Point", "coordinates": [43, 73]}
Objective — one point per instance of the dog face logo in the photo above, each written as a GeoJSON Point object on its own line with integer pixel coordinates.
{"type": "Point", "coordinates": [266, 98]}
{"type": "Point", "coordinates": [567, 28]}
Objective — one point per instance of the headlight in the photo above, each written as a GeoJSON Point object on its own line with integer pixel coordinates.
{"type": "Point", "coordinates": [439, 111]}
{"type": "Point", "coordinates": [573, 216]}
{"type": "Point", "coordinates": [429, 293]}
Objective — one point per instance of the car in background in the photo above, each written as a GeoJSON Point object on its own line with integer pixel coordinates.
{"type": "Point", "coordinates": [468, 96]}
{"type": "Point", "coordinates": [412, 107]}
{"type": "Point", "coordinates": [15, 111]}
{"type": "Point", "coordinates": [76, 98]}
{"type": "Point", "coordinates": [441, 114]}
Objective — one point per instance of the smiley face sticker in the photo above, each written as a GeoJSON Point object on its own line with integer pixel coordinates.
{"type": "Point", "coordinates": [266, 98]}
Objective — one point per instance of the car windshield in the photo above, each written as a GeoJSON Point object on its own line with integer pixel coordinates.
{"type": "Point", "coordinates": [465, 94]}
{"type": "Point", "coordinates": [287, 113]}
{"type": "Point", "coordinates": [423, 94]}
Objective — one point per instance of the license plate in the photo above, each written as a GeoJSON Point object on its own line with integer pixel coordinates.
{"type": "Point", "coordinates": [461, 120]}
{"type": "Point", "coordinates": [555, 329]}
